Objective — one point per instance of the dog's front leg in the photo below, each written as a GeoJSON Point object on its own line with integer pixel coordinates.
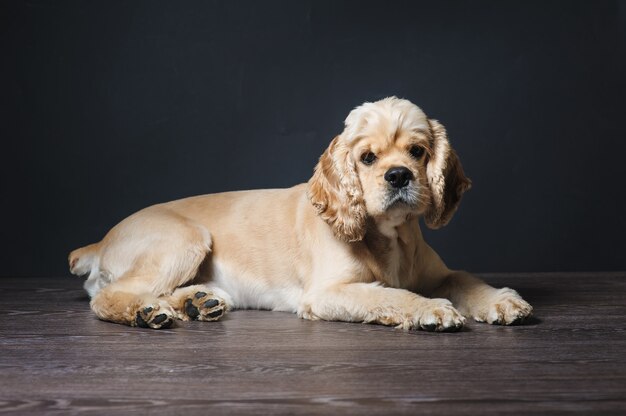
{"type": "Point", "coordinates": [475, 298]}
{"type": "Point", "coordinates": [373, 303]}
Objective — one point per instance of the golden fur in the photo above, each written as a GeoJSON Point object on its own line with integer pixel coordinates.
{"type": "Point", "coordinates": [345, 246]}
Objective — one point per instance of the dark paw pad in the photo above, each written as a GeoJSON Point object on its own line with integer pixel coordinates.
{"type": "Point", "coordinates": [146, 318]}
{"type": "Point", "coordinates": [191, 310]}
{"type": "Point", "coordinates": [204, 307]}
{"type": "Point", "coordinates": [216, 313]}
{"type": "Point", "coordinates": [141, 322]}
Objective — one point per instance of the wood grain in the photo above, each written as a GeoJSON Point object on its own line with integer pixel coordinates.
{"type": "Point", "coordinates": [56, 358]}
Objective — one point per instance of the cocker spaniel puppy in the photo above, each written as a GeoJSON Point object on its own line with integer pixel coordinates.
{"type": "Point", "coordinates": [346, 246]}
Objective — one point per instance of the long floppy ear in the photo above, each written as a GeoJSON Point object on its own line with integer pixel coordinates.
{"type": "Point", "coordinates": [335, 192]}
{"type": "Point", "coordinates": [445, 177]}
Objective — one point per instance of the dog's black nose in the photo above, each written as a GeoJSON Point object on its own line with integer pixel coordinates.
{"type": "Point", "coordinates": [398, 177]}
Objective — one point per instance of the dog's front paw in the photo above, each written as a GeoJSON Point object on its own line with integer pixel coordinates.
{"type": "Point", "coordinates": [506, 307]}
{"type": "Point", "coordinates": [153, 316]}
{"type": "Point", "coordinates": [439, 315]}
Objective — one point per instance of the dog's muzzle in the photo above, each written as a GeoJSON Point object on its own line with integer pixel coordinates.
{"type": "Point", "coordinates": [407, 195]}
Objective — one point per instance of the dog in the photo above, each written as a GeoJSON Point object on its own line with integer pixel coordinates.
{"type": "Point", "coordinates": [346, 246]}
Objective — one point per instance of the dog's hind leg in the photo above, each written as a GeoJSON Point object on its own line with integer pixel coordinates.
{"type": "Point", "coordinates": [126, 302]}
{"type": "Point", "coordinates": [152, 255]}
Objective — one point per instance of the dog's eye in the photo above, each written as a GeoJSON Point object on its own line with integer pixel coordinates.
{"type": "Point", "coordinates": [368, 158]}
{"type": "Point", "coordinates": [417, 151]}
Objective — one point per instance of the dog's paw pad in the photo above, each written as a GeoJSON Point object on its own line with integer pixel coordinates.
{"type": "Point", "coordinates": [149, 318]}
{"type": "Point", "coordinates": [191, 310]}
{"type": "Point", "coordinates": [159, 319]}
{"type": "Point", "coordinates": [216, 314]}
{"type": "Point", "coordinates": [204, 307]}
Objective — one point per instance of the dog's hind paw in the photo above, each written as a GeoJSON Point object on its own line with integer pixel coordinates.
{"type": "Point", "coordinates": [152, 317]}
{"type": "Point", "coordinates": [204, 306]}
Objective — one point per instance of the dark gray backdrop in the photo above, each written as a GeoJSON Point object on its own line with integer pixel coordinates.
{"type": "Point", "coordinates": [109, 107]}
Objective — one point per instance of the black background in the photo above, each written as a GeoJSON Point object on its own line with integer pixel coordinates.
{"type": "Point", "coordinates": [110, 107]}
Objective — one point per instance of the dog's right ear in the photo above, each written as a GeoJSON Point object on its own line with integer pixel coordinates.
{"type": "Point", "coordinates": [335, 192]}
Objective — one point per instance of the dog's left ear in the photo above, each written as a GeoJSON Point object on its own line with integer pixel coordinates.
{"type": "Point", "coordinates": [445, 177]}
{"type": "Point", "coordinates": [335, 192]}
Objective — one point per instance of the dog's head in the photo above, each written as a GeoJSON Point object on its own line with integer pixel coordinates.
{"type": "Point", "coordinates": [389, 158]}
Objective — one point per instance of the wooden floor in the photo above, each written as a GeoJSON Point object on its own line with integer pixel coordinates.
{"type": "Point", "coordinates": [56, 358]}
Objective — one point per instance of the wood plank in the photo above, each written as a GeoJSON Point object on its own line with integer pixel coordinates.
{"type": "Point", "coordinates": [58, 359]}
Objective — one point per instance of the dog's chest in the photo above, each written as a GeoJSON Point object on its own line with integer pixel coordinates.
{"type": "Point", "coordinates": [393, 264]}
{"type": "Point", "coordinates": [391, 256]}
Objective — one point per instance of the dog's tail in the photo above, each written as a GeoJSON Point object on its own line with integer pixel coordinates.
{"type": "Point", "coordinates": [81, 260]}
